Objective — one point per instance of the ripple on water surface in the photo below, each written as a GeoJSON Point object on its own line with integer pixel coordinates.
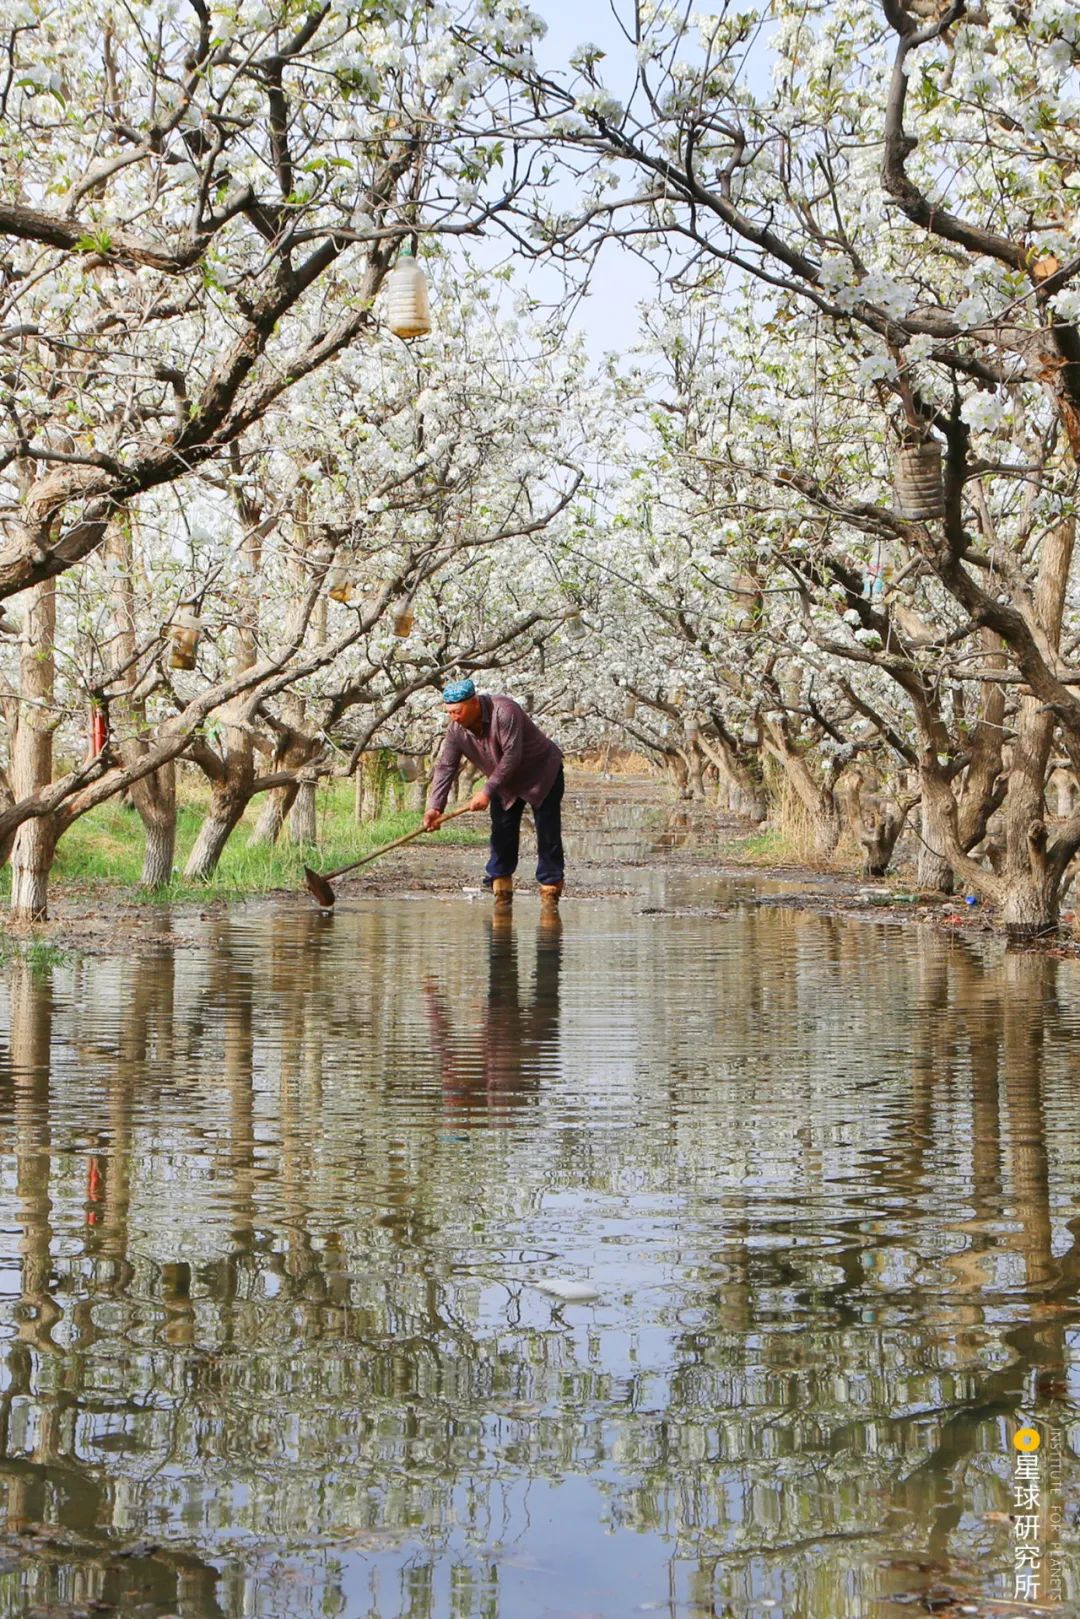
{"type": "Point", "coordinates": [273, 1213]}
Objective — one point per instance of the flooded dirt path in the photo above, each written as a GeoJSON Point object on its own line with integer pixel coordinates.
{"type": "Point", "coordinates": [289, 1218]}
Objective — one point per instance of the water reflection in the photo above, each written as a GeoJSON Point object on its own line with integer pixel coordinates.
{"type": "Point", "coordinates": [496, 1061]}
{"type": "Point", "coordinates": [270, 1344]}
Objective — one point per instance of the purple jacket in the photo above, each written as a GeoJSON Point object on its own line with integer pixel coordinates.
{"type": "Point", "coordinates": [517, 759]}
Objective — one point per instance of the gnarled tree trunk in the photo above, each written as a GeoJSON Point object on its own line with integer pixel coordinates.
{"type": "Point", "coordinates": [294, 750]}
{"type": "Point", "coordinates": [695, 770]}
{"type": "Point", "coordinates": [232, 790]}
{"type": "Point", "coordinates": [818, 798]}
{"type": "Point", "coordinates": [1030, 881]}
{"type": "Point", "coordinates": [741, 792]}
{"type": "Point", "coordinates": [876, 827]}
{"type": "Point", "coordinates": [675, 768]}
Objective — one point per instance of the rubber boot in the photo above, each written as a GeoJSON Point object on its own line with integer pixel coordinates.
{"type": "Point", "coordinates": [503, 889]}
{"type": "Point", "coordinates": [549, 896]}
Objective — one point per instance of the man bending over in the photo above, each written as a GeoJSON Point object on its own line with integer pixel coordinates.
{"type": "Point", "coordinates": [522, 766]}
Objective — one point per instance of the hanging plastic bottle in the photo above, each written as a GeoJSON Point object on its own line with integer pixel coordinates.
{"type": "Point", "coordinates": [403, 620]}
{"type": "Point", "coordinates": [407, 311]}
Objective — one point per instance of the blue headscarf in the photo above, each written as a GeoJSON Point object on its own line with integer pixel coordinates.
{"type": "Point", "coordinates": [458, 691]}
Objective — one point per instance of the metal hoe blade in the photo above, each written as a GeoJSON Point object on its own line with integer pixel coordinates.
{"type": "Point", "coordinates": [319, 889]}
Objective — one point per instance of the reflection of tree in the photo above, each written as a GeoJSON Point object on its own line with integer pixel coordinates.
{"type": "Point", "coordinates": [264, 1382]}
{"type": "Point", "coordinates": [1006, 1269]}
{"type": "Point", "coordinates": [49, 1402]}
{"type": "Point", "coordinates": [32, 1352]}
{"type": "Point", "coordinates": [860, 1334]}
{"type": "Point", "coordinates": [266, 1313]}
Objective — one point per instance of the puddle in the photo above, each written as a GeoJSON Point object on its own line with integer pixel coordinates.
{"type": "Point", "coordinates": [274, 1212]}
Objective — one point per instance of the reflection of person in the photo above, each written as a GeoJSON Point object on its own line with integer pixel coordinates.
{"type": "Point", "coordinates": [505, 1061]}
{"type": "Point", "coordinates": [522, 766]}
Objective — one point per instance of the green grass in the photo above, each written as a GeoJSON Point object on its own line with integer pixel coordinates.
{"type": "Point", "coordinates": [38, 954]}
{"type": "Point", "coordinates": [764, 848]}
{"type": "Point", "coordinates": [104, 850]}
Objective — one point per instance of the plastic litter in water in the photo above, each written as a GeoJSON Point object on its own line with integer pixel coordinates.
{"type": "Point", "coordinates": [560, 1287]}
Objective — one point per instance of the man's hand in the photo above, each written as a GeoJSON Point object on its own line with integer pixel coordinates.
{"type": "Point", "coordinates": [479, 800]}
{"type": "Point", "coordinates": [432, 819]}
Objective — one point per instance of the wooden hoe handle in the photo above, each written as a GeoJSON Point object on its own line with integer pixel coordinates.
{"type": "Point", "coordinates": [408, 837]}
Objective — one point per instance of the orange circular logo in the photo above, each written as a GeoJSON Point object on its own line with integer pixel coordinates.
{"type": "Point", "coordinates": [1027, 1440]}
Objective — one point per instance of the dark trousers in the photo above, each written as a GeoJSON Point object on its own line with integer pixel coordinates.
{"type": "Point", "coordinates": [506, 833]}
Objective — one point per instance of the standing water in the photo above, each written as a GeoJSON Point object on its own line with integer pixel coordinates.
{"type": "Point", "coordinates": [288, 1218]}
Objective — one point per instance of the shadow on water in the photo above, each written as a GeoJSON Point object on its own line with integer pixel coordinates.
{"type": "Point", "coordinates": [271, 1211]}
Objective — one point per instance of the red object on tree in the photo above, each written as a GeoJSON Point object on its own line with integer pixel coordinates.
{"type": "Point", "coordinates": [99, 730]}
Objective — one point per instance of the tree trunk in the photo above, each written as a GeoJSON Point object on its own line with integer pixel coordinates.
{"type": "Point", "coordinates": [1029, 909]}
{"type": "Point", "coordinates": [818, 799]}
{"type": "Point", "coordinates": [303, 825]}
{"type": "Point", "coordinates": [233, 777]}
{"type": "Point", "coordinates": [272, 818]}
{"type": "Point", "coordinates": [155, 799]}
{"type": "Point", "coordinates": [32, 757]}
{"type": "Point", "coordinates": [1030, 895]}
{"type": "Point", "coordinates": [984, 785]}
{"type": "Point", "coordinates": [675, 766]}
{"type": "Point", "coordinates": [227, 805]}
{"type": "Point", "coordinates": [31, 862]}
{"type": "Point", "coordinates": [158, 813]}
{"type": "Point", "coordinates": [233, 774]}
{"type": "Point", "coordinates": [742, 794]}
{"type": "Point", "coordinates": [695, 761]}
{"type": "Point", "coordinates": [7, 800]}
{"type": "Point", "coordinates": [876, 828]}
{"type": "Point", "coordinates": [932, 869]}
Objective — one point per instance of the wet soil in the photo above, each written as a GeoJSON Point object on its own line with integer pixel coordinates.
{"type": "Point", "coordinates": [616, 830]}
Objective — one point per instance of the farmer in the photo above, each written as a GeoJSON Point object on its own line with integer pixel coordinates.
{"type": "Point", "coordinates": [522, 766]}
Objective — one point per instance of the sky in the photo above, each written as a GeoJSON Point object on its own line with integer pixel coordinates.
{"type": "Point", "coordinates": [608, 315]}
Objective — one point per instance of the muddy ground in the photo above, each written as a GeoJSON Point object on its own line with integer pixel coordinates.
{"type": "Point", "coordinates": [614, 829]}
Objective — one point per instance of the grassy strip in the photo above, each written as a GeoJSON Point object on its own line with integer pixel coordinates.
{"type": "Point", "coordinates": [37, 954]}
{"type": "Point", "coordinates": [761, 849]}
{"type": "Point", "coordinates": [104, 849]}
